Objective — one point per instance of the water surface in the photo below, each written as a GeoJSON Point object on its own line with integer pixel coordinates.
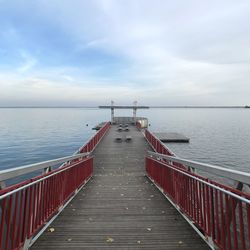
{"type": "Point", "coordinates": [220, 136]}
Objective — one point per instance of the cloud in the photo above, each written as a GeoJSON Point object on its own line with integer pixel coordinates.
{"type": "Point", "coordinates": [161, 52]}
{"type": "Point", "coordinates": [42, 91]}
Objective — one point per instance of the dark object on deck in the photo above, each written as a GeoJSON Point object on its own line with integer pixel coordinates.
{"type": "Point", "coordinates": [172, 137]}
{"type": "Point", "coordinates": [118, 138]}
{"type": "Point", "coordinates": [119, 129]}
{"type": "Point", "coordinates": [128, 138]}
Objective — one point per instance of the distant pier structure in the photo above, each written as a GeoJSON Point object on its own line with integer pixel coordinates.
{"type": "Point", "coordinates": [132, 119]}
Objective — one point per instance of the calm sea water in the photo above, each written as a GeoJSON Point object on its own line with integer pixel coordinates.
{"type": "Point", "coordinates": [219, 136]}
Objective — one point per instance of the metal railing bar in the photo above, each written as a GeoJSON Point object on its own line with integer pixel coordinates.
{"type": "Point", "coordinates": [207, 183]}
{"type": "Point", "coordinates": [14, 172]}
{"type": "Point", "coordinates": [39, 180]}
{"type": "Point", "coordinates": [240, 176]}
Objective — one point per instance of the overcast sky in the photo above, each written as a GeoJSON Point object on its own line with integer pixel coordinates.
{"type": "Point", "coordinates": [157, 52]}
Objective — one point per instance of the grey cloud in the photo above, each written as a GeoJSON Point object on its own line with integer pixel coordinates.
{"type": "Point", "coordinates": [192, 52]}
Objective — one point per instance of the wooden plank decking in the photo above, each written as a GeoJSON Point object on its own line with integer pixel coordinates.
{"type": "Point", "coordinates": [120, 208]}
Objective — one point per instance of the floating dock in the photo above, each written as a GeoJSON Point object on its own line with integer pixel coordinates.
{"type": "Point", "coordinates": [171, 137]}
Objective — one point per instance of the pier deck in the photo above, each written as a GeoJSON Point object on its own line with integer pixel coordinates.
{"type": "Point", "coordinates": [120, 208]}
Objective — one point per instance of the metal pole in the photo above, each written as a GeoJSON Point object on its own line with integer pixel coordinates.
{"type": "Point", "coordinates": [134, 115]}
{"type": "Point", "coordinates": [112, 112]}
{"type": "Point", "coordinates": [134, 111]}
{"type": "Point", "coordinates": [112, 115]}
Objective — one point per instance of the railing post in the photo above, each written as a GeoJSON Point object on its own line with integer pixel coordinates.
{"type": "Point", "coordinates": [26, 244]}
{"type": "Point", "coordinates": [47, 170]}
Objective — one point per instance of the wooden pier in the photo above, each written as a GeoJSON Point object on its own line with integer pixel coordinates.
{"type": "Point", "coordinates": [120, 208]}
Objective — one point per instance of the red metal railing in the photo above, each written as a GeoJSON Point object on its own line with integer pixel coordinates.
{"type": "Point", "coordinates": [220, 212]}
{"type": "Point", "coordinates": [92, 143]}
{"type": "Point", "coordinates": [27, 206]}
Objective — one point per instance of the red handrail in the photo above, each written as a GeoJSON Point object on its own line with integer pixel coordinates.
{"type": "Point", "coordinates": [26, 207]}
{"type": "Point", "coordinates": [36, 201]}
{"type": "Point", "coordinates": [218, 214]}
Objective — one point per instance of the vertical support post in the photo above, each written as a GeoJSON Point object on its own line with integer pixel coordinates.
{"type": "Point", "coordinates": [112, 115]}
{"type": "Point", "coordinates": [134, 115]}
{"type": "Point", "coordinates": [134, 111]}
{"type": "Point", "coordinates": [112, 112]}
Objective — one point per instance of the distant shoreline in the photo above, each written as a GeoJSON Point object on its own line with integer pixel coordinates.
{"type": "Point", "coordinates": [94, 107]}
{"type": "Point", "coordinates": [199, 107]}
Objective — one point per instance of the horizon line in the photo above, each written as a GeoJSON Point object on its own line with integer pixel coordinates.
{"type": "Point", "coordinates": [150, 106]}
